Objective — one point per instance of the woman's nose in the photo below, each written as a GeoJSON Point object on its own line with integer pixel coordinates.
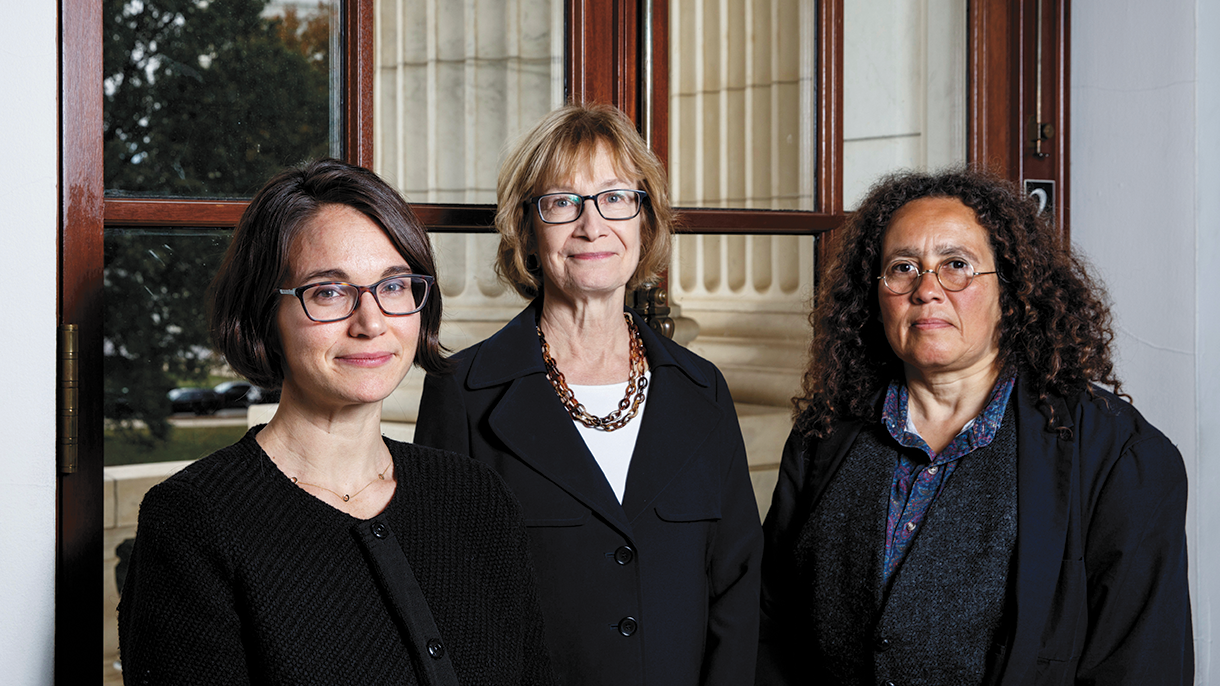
{"type": "Point", "coordinates": [927, 286]}
{"type": "Point", "coordinates": [368, 319]}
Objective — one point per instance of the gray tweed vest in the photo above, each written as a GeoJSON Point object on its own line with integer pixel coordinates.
{"type": "Point", "coordinates": [940, 619]}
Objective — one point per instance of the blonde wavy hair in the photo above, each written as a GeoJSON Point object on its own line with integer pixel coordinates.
{"type": "Point", "coordinates": [564, 141]}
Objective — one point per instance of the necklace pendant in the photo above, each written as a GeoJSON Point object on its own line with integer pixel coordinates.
{"type": "Point", "coordinates": [346, 498]}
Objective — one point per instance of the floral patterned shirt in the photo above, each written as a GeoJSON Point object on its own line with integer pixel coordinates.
{"type": "Point", "coordinates": [919, 476]}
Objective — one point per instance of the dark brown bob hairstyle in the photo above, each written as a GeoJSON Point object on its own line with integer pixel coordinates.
{"type": "Point", "coordinates": [243, 300]}
{"type": "Point", "coordinates": [1055, 324]}
{"type": "Point", "coordinates": [566, 140]}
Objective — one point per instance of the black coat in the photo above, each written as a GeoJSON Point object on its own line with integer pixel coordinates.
{"type": "Point", "coordinates": [662, 589]}
{"type": "Point", "coordinates": [238, 576]}
{"type": "Point", "coordinates": [1099, 589]}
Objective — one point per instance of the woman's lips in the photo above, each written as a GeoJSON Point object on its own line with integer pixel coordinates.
{"type": "Point", "coordinates": [928, 324]}
{"type": "Point", "coordinates": [591, 255]}
{"type": "Point", "coordinates": [366, 359]}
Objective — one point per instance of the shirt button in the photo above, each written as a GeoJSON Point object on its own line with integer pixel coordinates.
{"type": "Point", "coordinates": [882, 644]}
{"type": "Point", "coordinates": [933, 470]}
{"type": "Point", "coordinates": [436, 649]}
{"type": "Point", "coordinates": [627, 626]}
{"type": "Point", "coordinates": [624, 555]}
{"type": "Point", "coordinates": [380, 530]}
{"type": "Point", "coordinates": [910, 526]}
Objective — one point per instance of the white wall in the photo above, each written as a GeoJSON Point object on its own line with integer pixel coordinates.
{"type": "Point", "coordinates": [1145, 139]}
{"type": "Point", "coordinates": [28, 207]}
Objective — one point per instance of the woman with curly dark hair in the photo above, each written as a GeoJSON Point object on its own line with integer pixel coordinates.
{"type": "Point", "coordinates": [959, 501]}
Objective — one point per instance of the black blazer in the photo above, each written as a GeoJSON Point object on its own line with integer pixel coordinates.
{"type": "Point", "coordinates": [662, 589]}
{"type": "Point", "coordinates": [1100, 587]}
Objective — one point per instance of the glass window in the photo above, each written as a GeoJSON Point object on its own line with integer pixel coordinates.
{"type": "Point", "coordinates": [455, 81]}
{"type": "Point", "coordinates": [167, 395]}
{"type": "Point", "coordinates": [904, 89]}
{"type": "Point", "coordinates": [208, 99]}
{"type": "Point", "coordinates": [741, 103]}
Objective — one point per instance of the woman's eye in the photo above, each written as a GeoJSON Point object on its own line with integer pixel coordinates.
{"type": "Point", "coordinates": [614, 197]}
{"type": "Point", "coordinates": [902, 268]}
{"type": "Point", "coordinates": [561, 202]}
{"type": "Point", "coordinates": [958, 265]}
{"type": "Point", "coordinates": [393, 287]}
{"type": "Point", "coordinates": [327, 293]}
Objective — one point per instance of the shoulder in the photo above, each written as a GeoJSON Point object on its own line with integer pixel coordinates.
{"type": "Point", "coordinates": [1122, 452]}
{"type": "Point", "coordinates": [442, 475]}
{"type": "Point", "coordinates": [219, 477]}
{"type": "Point", "coordinates": [665, 354]}
{"type": "Point", "coordinates": [1105, 419]}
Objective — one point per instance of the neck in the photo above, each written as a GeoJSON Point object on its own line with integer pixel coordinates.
{"type": "Point", "coordinates": [589, 341]}
{"type": "Point", "coordinates": [940, 405]}
{"type": "Point", "coordinates": [341, 450]}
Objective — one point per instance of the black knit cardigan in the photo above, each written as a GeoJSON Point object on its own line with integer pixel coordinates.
{"type": "Point", "coordinates": [238, 576]}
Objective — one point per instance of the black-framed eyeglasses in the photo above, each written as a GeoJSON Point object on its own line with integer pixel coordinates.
{"type": "Point", "coordinates": [954, 274]}
{"type": "Point", "coordinates": [616, 205]}
{"type": "Point", "coordinates": [333, 301]}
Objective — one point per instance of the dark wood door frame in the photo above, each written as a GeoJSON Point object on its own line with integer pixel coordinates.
{"type": "Point", "coordinates": [79, 494]}
{"type": "Point", "coordinates": [1004, 92]}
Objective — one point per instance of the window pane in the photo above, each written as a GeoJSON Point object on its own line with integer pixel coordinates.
{"type": "Point", "coordinates": [741, 103]}
{"type": "Point", "coordinates": [162, 401]}
{"type": "Point", "coordinates": [904, 89]}
{"type": "Point", "coordinates": [455, 82]}
{"type": "Point", "coordinates": [208, 99]}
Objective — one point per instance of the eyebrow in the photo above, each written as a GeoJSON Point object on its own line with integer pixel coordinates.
{"type": "Point", "coordinates": [944, 250]}
{"type": "Point", "coordinates": [324, 275]}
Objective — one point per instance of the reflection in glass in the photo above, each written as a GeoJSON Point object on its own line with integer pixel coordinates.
{"type": "Point", "coordinates": [904, 89]}
{"type": "Point", "coordinates": [741, 103]}
{"type": "Point", "coordinates": [156, 352]}
{"type": "Point", "coordinates": [455, 82]}
{"type": "Point", "coordinates": [209, 99]}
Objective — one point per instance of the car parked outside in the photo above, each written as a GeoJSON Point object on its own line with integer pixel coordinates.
{"type": "Point", "coordinates": [200, 401]}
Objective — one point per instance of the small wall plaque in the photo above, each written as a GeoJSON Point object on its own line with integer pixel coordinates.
{"type": "Point", "coordinates": [1043, 191]}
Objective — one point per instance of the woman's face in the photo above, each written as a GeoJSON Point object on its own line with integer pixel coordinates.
{"type": "Point", "coordinates": [934, 331]}
{"type": "Point", "coordinates": [360, 359]}
{"type": "Point", "coordinates": [591, 257]}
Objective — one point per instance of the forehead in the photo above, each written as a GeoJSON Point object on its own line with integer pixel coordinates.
{"type": "Point", "coordinates": [339, 237]}
{"type": "Point", "coordinates": [928, 227]}
{"type": "Point", "coordinates": [582, 159]}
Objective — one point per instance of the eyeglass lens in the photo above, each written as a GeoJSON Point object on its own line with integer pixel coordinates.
{"type": "Point", "coordinates": [558, 208]}
{"type": "Point", "coordinates": [399, 295]}
{"type": "Point", "coordinates": [954, 275]}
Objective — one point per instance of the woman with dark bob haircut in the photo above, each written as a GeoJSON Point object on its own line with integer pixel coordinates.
{"type": "Point", "coordinates": [960, 501]}
{"type": "Point", "coordinates": [622, 446]}
{"type": "Point", "coordinates": [314, 550]}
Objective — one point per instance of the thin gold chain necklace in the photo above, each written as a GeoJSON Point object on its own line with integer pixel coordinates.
{"type": "Point", "coordinates": [636, 383]}
{"type": "Point", "coordinates": [344, 496]}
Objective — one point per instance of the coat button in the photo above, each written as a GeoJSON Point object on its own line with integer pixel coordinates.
{"type": "Point", "coordinates": [882, 644]}
{"type": "Point", "coordinates": [627, 626]}
{"type": "Point", "coordinates": [436, 649]}
{"type": "Point", "coordinates": [380, 530]}
{"type": "Point", "coordinates": [624, 555]}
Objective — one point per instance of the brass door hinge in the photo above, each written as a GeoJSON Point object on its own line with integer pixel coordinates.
{"type": "Point", "coordinates": [69, 397]}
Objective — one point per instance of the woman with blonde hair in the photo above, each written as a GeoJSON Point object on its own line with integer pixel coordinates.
{"type": "Point", "coordinates": [622, 446]}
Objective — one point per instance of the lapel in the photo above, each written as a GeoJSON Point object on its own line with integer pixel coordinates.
{"type": "Point", "coordinates": [531, 421]}
{"type": "Point", "coordinates": [678, 420]}
{"type": "Point", "coordinates": [1046, 484]}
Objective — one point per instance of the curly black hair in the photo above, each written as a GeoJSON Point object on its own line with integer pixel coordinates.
{"type": "Point", "coordinates": [1055, 323]}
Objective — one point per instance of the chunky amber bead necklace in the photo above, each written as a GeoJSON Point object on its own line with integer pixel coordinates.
{"type": "Point", "coordinates": [636, 383]}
